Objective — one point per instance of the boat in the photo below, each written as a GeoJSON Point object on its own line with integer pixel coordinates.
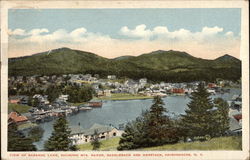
{"type": "Point", "coordinates": [95, 104]}
{"type": "Point", "coordinates": [84, 108]}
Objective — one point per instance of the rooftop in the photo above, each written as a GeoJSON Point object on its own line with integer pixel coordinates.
{"type": "Point", "coordinates": [95, 127]}
{"type": "Point", "coordinates": [16, 118]}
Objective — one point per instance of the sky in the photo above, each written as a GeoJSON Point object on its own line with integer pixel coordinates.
{"type": "Point", "coordinates": [204, 33]}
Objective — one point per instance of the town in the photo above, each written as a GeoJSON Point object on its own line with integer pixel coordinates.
{"type": "Point", "coordinates": [46, 97]}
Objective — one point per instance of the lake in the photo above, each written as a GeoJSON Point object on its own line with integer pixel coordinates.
{"type": "Point", "coordinates": [118, 112]}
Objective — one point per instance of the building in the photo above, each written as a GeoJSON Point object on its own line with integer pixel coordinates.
{"type": "Point", "coordinates": [63, 98]}
{"type": "Point", "coordinates": [178, 90]}
{"type": "Point", "coordinates": [14, 117]}
{"type": "Point", "coordinates": [143, 81]}
{"type": "Point", "coordinates": [211, 85]}
{"type": "Point", "coordinates": [80, 135]}
{"type": "Point", "coordinates": [111, 77]}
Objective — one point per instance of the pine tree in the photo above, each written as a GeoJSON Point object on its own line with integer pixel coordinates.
{"type": "Point", "coordinates": [17, 141]}
{"type": "Point", "coordinates": [134, 135]}
{"type": "Point", "coordinates": [96, 143]}
{"type": "Point", "coordinates": [127, 140]}
{"type": "Point", "coordinates": [152, 128]}
{"type": "Point", "coordinates": [59, 140]}
{"type": "Point", "coordinates": [198, 120]}
{"type": "Point", "coordinates": [221, 118]}
{"type": "Point", "coordinates": [160, 128]}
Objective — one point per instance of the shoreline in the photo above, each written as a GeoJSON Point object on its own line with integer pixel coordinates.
{"type": "Point", "coordinates": [123, 98]}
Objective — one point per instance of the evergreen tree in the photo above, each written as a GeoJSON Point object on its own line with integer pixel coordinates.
{"type": "Point", "coordinates": [152, 128]}
{"type": "Point", "coordinates": [134, 135]}
{"type": "Point", "coordinates": [160, 128]}
{"type": "Point", "coordinates": [17, 141]}
{"type": "Point", "coordinates": [198, 120]}
{"type": "Point", "coordinates": [96, 143]}
{"type": "Point", "coordinates": [59, 140]}
{"type": "Point", "coordinates": [127, 140]}
{"type": "Point", "coordinates": [221, 118]}
{"type": "Point", "coordinates": [36, 133]}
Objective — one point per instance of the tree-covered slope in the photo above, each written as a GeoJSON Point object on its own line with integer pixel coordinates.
{"type": "Point", "coordinates": [157, 65]}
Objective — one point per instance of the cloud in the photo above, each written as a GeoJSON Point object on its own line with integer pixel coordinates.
{"type": "Point", "coordinates": [139, 31]}
{"type": "Point", "coordinates": [21, 32]}
{"type": "Point", "coordinates": [17, 32]}
{"type": "Point", "coordinates": [209, 42]}
{"type": "Point", "coordinates": [211, 31]}
{"type": "Point", "coordinates": [229, 34]}
{"type": "Point", "coordinates": [38, 31]}
{"type": "Point", "coordinates": [78, 32]}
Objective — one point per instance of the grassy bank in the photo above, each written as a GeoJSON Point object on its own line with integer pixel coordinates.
{"type": "Point", "coordinates": [222, 143]}
{"type": "Point", "coordinates": [19, 108]}
{"type": "Point", "coordinates": [107, 145]}
{"type": "Point", "coordinates": [123, 96]}
{"type": "Point", "coordinates": [26, 126]}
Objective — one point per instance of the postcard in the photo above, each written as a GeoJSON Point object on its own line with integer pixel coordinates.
{"type": "Point", "coordinates": [124, 80]}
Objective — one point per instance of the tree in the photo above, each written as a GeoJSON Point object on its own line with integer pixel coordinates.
{"type": "Point", "coordinates": [95, 142]}
{"type": "Point", "coordinates": [35, 102]}
{"type": "Point", "coordinates": [17, 141]}
{"type": "Point", "coordinates": [134, 135]}
{"type": "Point", "coordinates": [53, 92]}
{"type": "Point", "coordinates": [198, 120]}
{"type": "Point", "coordinates": [36, 133]}
{"type": "Point", "coordinates": [160, 128]}
{"type": "Point", "coordinates": [221, 119]}
{"type": "Point", "coordinates": [59, 140]}
{"type": "Point", "coordinates": [12, 91]}
{"type": "Point", "coordinates": [153, 127]}
{"type": "Point", "coordinates": [79, 94]}
{"type": "Point", "coordinates": [127, 140]}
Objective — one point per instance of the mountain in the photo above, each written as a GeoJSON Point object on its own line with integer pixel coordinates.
{"type": "Point", "coordinates": [58, 61]}
{"type": "Point", "coordinates": [123, 57]}
{"type": "Point", "coordinates": [172, 66]}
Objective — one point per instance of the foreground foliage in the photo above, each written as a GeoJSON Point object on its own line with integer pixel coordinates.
{"type": "Point", "coordinates": [59, 140]}
{"type": "Point", "coordinates": [17, 141]}
{"type": "Point", "coordinates": [204, 118]}
{"type": "Point", "coordinates": [96, 143]}
{"type": "Point", "coordinates": [153, 128]}
{"type": "Point", "coordinates": [36, 133]}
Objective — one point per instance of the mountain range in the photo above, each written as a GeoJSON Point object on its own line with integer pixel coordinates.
{"type": "Point", "coordinates": [172, 66]}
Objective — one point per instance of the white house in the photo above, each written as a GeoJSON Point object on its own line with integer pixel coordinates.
{"type": "Point", "coordinates": [80, 135]}
{"type": "Point", "coordinates": [63, 97]}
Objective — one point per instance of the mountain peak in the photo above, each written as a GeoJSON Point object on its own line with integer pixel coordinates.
{"type": "Point", "coordinates": [227, 57]}
{"type": "Point", "coordinates": [157, 52]}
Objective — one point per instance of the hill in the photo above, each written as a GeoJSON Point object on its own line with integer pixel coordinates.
{"type": "Point", "coordinates": [172, 66]}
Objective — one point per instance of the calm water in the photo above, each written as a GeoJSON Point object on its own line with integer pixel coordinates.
{"type": "Point", "coordinates": [118, 112]}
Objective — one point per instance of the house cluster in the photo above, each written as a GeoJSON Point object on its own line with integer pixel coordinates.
{"type": "Point", "coordinates": [46, 111]}
{"type": "Point", "coordinates": [35, 83]}
{"type": "Point", "coordinates": [81, 136]}
{"type": "Point", "coordinates": [110, 84]}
